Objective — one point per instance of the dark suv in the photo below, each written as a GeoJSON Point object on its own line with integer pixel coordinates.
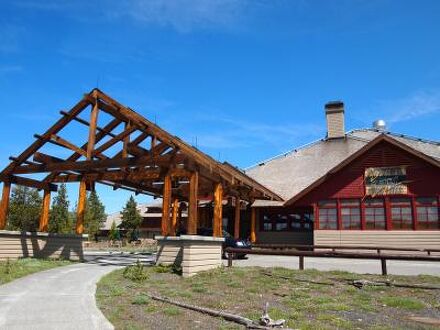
{"type": "Point", "coordinates": [230, 241]}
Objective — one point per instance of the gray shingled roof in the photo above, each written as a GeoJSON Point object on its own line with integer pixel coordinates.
{"type": "Point", "coordinates": [289, 174]}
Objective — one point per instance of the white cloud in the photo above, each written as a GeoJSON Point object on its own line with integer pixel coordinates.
{"type": "Point", "coordinates": [185, 15]}
{"type": "Point", "coordinates": [419, 104]}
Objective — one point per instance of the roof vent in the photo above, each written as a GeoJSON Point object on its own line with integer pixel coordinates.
{"type": "Point", "coordinates": [380, 125]}
{"type": "Point", "coordinates": [334, 112]}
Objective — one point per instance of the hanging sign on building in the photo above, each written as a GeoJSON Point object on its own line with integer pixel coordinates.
{"type": "Point", "coordinates": [385, 181]}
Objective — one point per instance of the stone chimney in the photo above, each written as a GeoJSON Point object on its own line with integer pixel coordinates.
{"type": "Point", "coordinates": [334, 113]}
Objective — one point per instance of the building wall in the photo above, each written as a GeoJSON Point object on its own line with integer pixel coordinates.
{"type": "Point", "coordinates": [369, 238]}
{"type": "Point", "coordinates": [424, 178]}
{"type": "Point", "coordinates": [423, 181]}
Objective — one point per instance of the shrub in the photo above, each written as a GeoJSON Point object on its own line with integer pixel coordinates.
{"type": "Point", "coordinates": [136, 272]}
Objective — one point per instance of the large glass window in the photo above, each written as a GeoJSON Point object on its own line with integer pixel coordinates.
{"type": "Point", "coordinates": [374, 213]}
{"type": "Point", "coordinates": [328, 214]}
{"type": "Point", "coordinates": [351, 213]}
{"type": "Point", "coordinates": [401, 213]}
{"type": "Point", "coordinates": [427, 213]}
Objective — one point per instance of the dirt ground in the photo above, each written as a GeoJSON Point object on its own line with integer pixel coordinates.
{"type": "Point", "coordinates": [305, 299]}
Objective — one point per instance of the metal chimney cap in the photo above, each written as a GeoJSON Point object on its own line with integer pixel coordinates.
{"type": "Point", "coordinates": [380, 125]}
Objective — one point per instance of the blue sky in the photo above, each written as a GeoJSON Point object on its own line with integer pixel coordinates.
{"type": "Point", "coordinates": [244, 79]}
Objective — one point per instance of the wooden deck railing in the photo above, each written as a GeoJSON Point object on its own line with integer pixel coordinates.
{"type": "Point", "coordinates": [338, 254]}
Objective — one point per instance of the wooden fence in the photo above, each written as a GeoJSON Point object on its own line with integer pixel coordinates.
{"type": "Point", "coordinates": [309, 251]}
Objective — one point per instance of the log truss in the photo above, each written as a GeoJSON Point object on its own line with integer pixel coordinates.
{"type": "Point", "coordinates": [148, 160]}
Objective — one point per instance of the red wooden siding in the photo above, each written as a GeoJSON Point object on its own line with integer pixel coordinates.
{"type": "Point", "coordinates": [349, 182]}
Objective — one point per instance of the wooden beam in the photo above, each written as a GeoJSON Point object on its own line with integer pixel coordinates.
{"type": "Point", "coordinates": [121, 136]}
{"type": "Point", "coordinates": [86, 123]}
{"type": "Point", "coordinates": [92, 127]}
{"type": "Point", "coordinates": [253, 235]}
{"type": "Point", "coordinates": [93, 165]}
{"type": "Point", "coordinates": [193, 204]}
{"type": "Point", "coordinates": [237, 218]}
{"type": "Point", "coordinates": [80, 106]}
{"type": "Point", "coordinates": [81, 210]}
{"type": "Point", "coordinates": [218, 211]}
{"type": "Point", "coordinates": [136, 176]}
{"type": "Point", "coordinates": [126, 138]}
{"type": "Point", "coordinates": [64, 143]}
{"type": "Point", "coordinates": [4, 204]}
{"type": "Point", "coordinates": [44, 217]}
{"type": "Point", "coordinates": [166, 200]}
{"type": "Point", "coordinates": [21, 181]}
{"type": "Point", "coordinates": [45, 158]}
{"type": "Point", "coordinates": [75, 156]}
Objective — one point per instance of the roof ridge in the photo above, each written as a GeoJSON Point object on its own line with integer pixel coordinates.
{"type": "Point", "coordinates": [406, 136]}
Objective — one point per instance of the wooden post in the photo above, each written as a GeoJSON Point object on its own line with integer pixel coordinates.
{"type": "Point", "coordinates": [383, 263]}
{"type": "Point", "coordinates": [230, 255]}
{"type": "Point", "coordinates": [4, 205]}
{"type": "Point", "coordinates": [174, 217]}
{"type": "Point", "coordinates": [192, 207]}
{"type": "Point", "coordinates": [44, 217]}
{"type": "Point", "coordinates": [301, 262]}
{"type": "Point", "coordinates": [166, 200]}
{"type": "Point", "coordinates": [80, 212]}
{"type": "Point", "coordinates": [253, 225]}
{"type": "Point", "coordinates": [237, 218]}
{"type": "Point", "coordinates": [82, 199]}
{"type": "Point", "coordinates": [218, 210]}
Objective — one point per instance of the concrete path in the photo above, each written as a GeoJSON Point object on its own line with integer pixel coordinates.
{"type": "Point", "coordinates": [350, 265]}
{"type": "Point", "coordinates": [60, 298]}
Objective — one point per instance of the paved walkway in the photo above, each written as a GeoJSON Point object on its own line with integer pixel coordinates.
{"type": "Point", "coordinates": [60, 298]}
{"type": "Point", "coordinates": [350, 265]}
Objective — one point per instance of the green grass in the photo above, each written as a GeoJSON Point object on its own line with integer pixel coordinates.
{"type": "Point", "coordinates": [13, 269]}
{"type": "Point", "coordinates": [333, 304]}
{"type": "Point", "coordinates": [402, 302]}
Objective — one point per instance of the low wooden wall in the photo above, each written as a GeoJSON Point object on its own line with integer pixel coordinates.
{"type": "Point", "coordinates": [15, 245]}
{"type": "Point", "coordinates": [285, 237]}
{"type": "Point", "coordinates": [370, 238]}
{"type": "Point", "coordinates": [193, 253]}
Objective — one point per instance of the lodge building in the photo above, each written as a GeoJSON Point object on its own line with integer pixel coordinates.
{"type": "Point", "coordinates": [365, 186]}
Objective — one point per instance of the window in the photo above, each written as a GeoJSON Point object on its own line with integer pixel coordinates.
{"type": "Point", "coordinates": [280, 222]}
{"type": "Point", "coordinates": [401, 213]}
{"type": "Point", "coordinates": [427, 213]}
{"type": "Point", "coordinates": [267, 223]}
{"type": "Point", "coordinates": [328, 214]}
{"type": "Point", "coordinates": [351, 213]}
{"type": "Point", "coordinates": [308, 221]}
{"type": "Point", "coordinates": [295, 221]}
{"type": "Point", "coordinates": [374, 213]}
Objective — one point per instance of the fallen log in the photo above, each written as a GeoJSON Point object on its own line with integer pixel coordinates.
{"type": "Point", "coordinates": [361, 283]}
{"type": "Point", "coordinates": [248, 323]}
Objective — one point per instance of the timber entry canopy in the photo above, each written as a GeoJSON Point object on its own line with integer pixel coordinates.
{"type": "Point", "coordinates": [132, 153]}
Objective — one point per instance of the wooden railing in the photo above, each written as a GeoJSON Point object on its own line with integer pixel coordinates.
{"type": "Point", "coordinates": [338, 254]}
{"type": "Point", "coordinates": [378, 249]}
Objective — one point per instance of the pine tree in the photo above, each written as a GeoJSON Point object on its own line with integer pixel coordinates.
{"type": "Point", "coordinates": [60, 222]}
{"type": "Point", "coordinates": [113, 233]}
{"type": "Point", "coordinates": [95, 215]}
{"type": "Point", "coordinates": [24, 210]}
{"type": "Point", "coordinates": [131, 218]}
